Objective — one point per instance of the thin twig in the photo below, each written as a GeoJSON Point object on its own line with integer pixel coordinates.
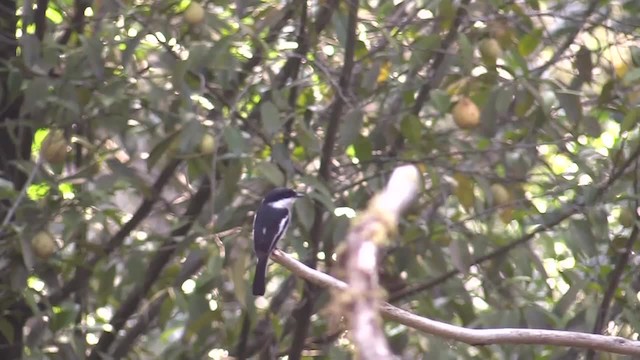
{"type": "Point", "coordinates": [22, 194]}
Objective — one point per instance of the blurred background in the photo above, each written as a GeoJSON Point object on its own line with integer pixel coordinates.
{"type": "Point", "coordinates": [137, 137]}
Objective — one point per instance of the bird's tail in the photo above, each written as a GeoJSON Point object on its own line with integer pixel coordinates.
{"type": "Point", "coordinates": [259, 279]}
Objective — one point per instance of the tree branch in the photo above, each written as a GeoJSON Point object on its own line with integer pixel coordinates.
{"type": "Point", "coordinates": [438, 58]}
{"type": "Point", "coordinates": [370, 230]}
{"type": "Point", "coordinates": [305, 308]}
{"type": "Point", "coordinates": [194, 262]}
{"type": "Point", "coordinates": [157, 263]}
{"type": "Point", "coordinates": [613, 344]}
{"type": "Point", "coordinates": [40, 18]}
{"type": "Point", "coordinates": [77, 21]}
{"type": "Point", "coordinates": [616, 275]}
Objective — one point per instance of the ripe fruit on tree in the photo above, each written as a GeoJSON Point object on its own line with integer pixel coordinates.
{"type": "Point", "coordinates": [207, 144]}
{"type": "Point", "coordinates": [490, 50]}
{"type": "Point", "coordinates": [43, 245]}
{"type": "Point", "coordinates": [466, 114]}
{"type": "Point", "coordinates": [54, 147]}
{"type": "Point", "coordinates": [194, 14]}
{"type": "Point", "coordinates": [500, 195]}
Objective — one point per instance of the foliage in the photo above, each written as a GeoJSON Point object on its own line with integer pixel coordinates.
{"type": "Point", "coordinates": [528, 219]}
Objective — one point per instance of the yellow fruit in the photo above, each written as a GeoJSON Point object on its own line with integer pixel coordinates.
{"type": "Point", "coordinates": [207, 144]}
{"type": "Point", "coordinates": [54, 147]}
{"type": "Point", "coordinates": [627, 218]}
{"type": "Point", "coordinates": [466, 114]}
{"type": "Point", "coordinates": [194, 14]}
{"type": "Point", "coordinates": [490, 50]}
{"type": "Point", "coordinates": [500, 195]}
{"type": "Point", "coordinates": [43, 245]}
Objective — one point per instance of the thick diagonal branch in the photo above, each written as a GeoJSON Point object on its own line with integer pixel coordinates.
{"type": "Point", "coordinates": [158, 262]}
{"type": "Point", "coordinates": [83, 274]}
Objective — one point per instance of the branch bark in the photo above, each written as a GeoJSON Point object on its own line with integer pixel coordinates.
{"type": "Point", "coordinates": [371, 230]}
{"type": "Point", "coordinates": [612, 344]}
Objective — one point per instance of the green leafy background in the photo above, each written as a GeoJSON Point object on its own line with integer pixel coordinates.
{"type": "Point", "coordinates": [153, 233]}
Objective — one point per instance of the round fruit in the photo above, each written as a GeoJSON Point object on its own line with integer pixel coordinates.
{"type": "Point", "coordinates": [466, 114]}
{"type": "Point", "coordinates": [43, 245]}
{"type": "Point", "coordinates": [54, 147]}
{"type": "Point", "coordinates": [490, 50]}
{"type": "Point", "coordinates": [627, 218]}
{"type": "Point", "coordinates": [207, 144]}
{"type": "Point", "coordinates": [500, 194]}
{"type": "Point", "coordinates": [194, 14]}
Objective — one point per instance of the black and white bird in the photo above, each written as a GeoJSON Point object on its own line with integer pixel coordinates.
{"type": "Point", "coordinates": [269, 225]}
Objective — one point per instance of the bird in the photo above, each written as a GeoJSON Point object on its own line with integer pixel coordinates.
{"type": "Point", "coordinates": [270, 223]}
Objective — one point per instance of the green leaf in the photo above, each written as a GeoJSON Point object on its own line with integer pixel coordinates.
{"type": "Point", "coordinates": [441, 100]}
{"type": "Point", "coordinates": [166, 311]}
{"type": "Point", "coordinates": [305, 212]}
{"type": "Point", "coordinates": [307, 139]}
{"type": "Point", "coordinates": [160, 149]}
{"type": "Point", "coordinates": [411, 128]}
{"type": "Point", "coordinates": [320, 193]}
{"type": "Point", "coordinates": [529, 42]}
{"type": "Point", "coordinates": [271, 119]}
{"type": "Point", "coordinates": [126, 173]}
{"type": "Point", "coordinates": [631, 77]}
{"type": "Point", "coordinates": [504, 98]}
{"type": "Point", "coordinates": [584, 64]}
{"type": "Point", "coordinates": [580, 238]}
{"type": "Point", "coordinates": [238, 272]}
{"type": "Point", "coordinates": [466, 53]}
{"type": "Point", "coordinates": [37, 90]}
{"type": "Point", "coordinates": [464, 191]}
{"type": "Point", "coordinates": [190, 136]}
{"type": "Point", "coordinates": [571, 104]}
{"type": "Point", "coordinates": [350, 127]}
{"type": "Point", "coordinates": [631, 119]}
{"type": "Point", "coordinates": [7, 330]}
{"type": "Point", "coordinates": [233, 137]}
{"type": "Point", "coordinates": [63, 317]}
{"type": "Point", "coordinates": [363, 148]}
{"type": "Point", "coordinates": [93, 50]}
{"type": "Point", "coordinates": [270, 172]}
{"type": "Point", "coordinates": [607, 92]}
